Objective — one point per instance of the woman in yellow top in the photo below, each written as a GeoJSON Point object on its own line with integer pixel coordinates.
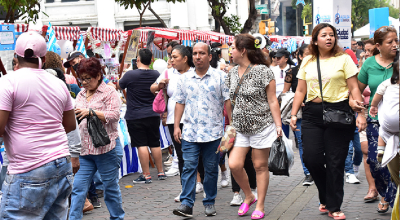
{"type": "Point", "coordinates": [325, 146]}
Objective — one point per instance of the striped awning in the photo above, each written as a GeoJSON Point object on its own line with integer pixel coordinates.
{"type": "Point", "coordinates": [105, 34]}
{"type": "Point", "coordinates": [67, 33]}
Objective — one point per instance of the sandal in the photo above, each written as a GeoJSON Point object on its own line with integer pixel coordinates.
{"type": "Point", "coordinates": [337, 215]}
{"type": "Point", "coordinates": [245, 207]}
{"type": "Point", "coordinates": [383, 205]}
{"type": "Point", "coordinates": [322, 208]}
{"type": "Point", "coordinates": [257, 215]}
{"type": "Point", "coordinates": [369, 198]}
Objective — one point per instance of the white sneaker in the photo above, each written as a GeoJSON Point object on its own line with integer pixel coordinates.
{"type": "Point", "coordinates": [351, 178]}
{"type": "Point", "coordinates": [356, 170]}
{"type": "Point", "coordinates": [178, 198]}
{"type": "Point", "coordinates": [199, 187]}
{"type": "Point", "coordinates": [172, 172]}
{"type": "Point", "coordinates": [237, 200]}
{"type": "Point", "coordinates": [254, 191]}
{"type": "Point", "coordinates": [169, 161]}
{"type": "Point", "coordinates": [204, 195]}
{"type": "Point", "coordinates": [224, 178]}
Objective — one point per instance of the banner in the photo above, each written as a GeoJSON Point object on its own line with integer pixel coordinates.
{"type": "Point", "coordinates": [338, 14]}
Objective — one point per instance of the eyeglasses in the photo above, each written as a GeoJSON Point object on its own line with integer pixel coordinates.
{"type": "Point", "coordinates": [354, 44]}
{"type": "Point", "coordinates": [86, 80]}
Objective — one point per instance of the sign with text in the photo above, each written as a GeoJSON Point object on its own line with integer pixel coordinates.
{"type": "Point", "coordinates": [7, 37]}
{"type": "Point", "coordinates": [338, 14]}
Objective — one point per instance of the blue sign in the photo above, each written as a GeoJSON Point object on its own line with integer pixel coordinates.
{"type": "Point", "coordinates": [300, 2]}
{"type": "Point", "coordinates": [7, 37]}
{"type": "Point", "coordinates": [378, 17]}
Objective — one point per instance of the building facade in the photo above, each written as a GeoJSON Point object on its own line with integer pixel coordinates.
{"type": "Point", "coordinates": [192, 14]}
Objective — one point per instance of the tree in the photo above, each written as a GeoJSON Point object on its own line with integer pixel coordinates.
{"type": "Point", "coordinates": [228, 24]}
{"type": "Point", "coordinates": [27, 10]}
{"type": "Point", "coordinates": [146, 4]}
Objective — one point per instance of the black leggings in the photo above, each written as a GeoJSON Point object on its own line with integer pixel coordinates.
{"type": "Point", "coordinates": [178, 148]}
{"type": "Point", "coordinates": [325, 151]}
{"type": "Point", "coordinates": [251, 173]}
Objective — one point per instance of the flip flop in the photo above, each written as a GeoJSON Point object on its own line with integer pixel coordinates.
{"type": "Point", "coordinates": [337, 215]}
{"type": "Point", "coordinates": [245, 207]}
{"type": "Point", "coordinates": [259, 213]}
{"type": "Point", "coordinates": [383, 205]}
{"type": "Point", "coordinates": [323, 210]}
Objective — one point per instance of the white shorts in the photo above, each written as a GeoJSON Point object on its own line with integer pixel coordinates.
{"type": "Point", "coordinates": [261, 140]}
{"type": "Point", "coordinates": [363, 136]}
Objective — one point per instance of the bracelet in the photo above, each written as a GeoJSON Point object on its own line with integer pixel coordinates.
{"type": "Point", "coordinates": [293, 116]}
{"type": "Point", "coordinates": [381, 152]}
{"type": "Point", "coordinates": [278, 126]}
{"type": "Point", "coordinates": [381, 148]}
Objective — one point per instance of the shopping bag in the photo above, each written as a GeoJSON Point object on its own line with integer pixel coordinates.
{"type": "Point", "coordinates": [97, 131]}
{"type": "Point", "coordinates": [396, 206]}
{"type": "Point", "coordinates": [278, 162]}
{"type": "Point", "coordinates": [289, 150]}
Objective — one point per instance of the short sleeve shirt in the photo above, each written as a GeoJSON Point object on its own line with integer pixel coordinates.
{"type": "Point", "coordinates": [373, 74]}
{"type": "Point", "coordinates": [251, 113]}
{"type": "Point", "coordinates": [139, 97]}
{"type": "Point", "coordinates": [204, 99]}
{"type": "Point", "coordinates": [34, 134]}
{"type": "Point", "coordinates": [334, 72]}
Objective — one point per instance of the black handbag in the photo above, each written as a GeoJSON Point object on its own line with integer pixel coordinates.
{"type": "Point", "coordinates": [96, 130]}
{"type": "Point", "coordinates": [334, 117]}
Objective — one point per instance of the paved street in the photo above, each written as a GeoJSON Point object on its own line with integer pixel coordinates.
{"type": "Point", "coordinates": [286, 199]}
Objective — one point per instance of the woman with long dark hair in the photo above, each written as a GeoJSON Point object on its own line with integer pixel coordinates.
{"type": "Point", "coordinates": [256, 118]}
{"type": "Point", "coordinates": [326, 145]}
{"type": "Point", "coordinates": [182, 62]}
{"type": "Point", "coordinates": [374, 71]}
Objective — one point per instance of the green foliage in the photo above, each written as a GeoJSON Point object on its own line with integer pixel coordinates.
{"type": "Point", "coordinates": [233, 23]}
{"type": "Point", "coordinates": [27, 10]}
{"type": "Point", "coordinates": [359, 12]}
{"type": "Point", "coordinates": [138, 3]}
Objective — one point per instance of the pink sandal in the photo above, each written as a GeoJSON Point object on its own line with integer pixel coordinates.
{"type": "Point", "coordinates": [245, 207]}
{"type": "Point", "coordinates": [337, 215]}
{"type": "Point", "coordinates": [259, 213]}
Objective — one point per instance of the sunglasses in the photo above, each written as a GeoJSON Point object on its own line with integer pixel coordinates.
{"type": "Point", "coordinates": [386, 29]}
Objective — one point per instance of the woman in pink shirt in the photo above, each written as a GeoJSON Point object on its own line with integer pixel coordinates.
{"type": "Point", "coordinates": [105, 102]}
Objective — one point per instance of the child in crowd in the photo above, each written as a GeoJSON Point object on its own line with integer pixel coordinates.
{"type": "Point", "coordinates": [388, 142]}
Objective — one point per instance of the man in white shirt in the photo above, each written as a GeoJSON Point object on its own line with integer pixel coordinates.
{"type": "Point", "coordinates": [284, 63]}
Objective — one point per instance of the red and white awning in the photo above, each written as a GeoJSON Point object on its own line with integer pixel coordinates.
{"type": "Point", "coordinates": [105, 34]}
{"type": "Point", "coordinates": [67, 33]}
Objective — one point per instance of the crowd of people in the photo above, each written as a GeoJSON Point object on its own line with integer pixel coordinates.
{"type": "Point", "coordinates": [63, 151]}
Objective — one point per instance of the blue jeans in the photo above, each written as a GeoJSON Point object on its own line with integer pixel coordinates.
{"type": "Point", "coordinates": [3, 175]}
{"type": "Point", "coordinates": [300, 142]}
{"type": "Point", "coordinates": [41, 193]}
{"type": "Point", "coordinates": [191, 152]}
{"type": "Point", "coordinates": [108, 166]}
{"type": "Point", "coordinates": [358, 155]}
{"type": "Point", "coordinates": [97, 181]}
{"type": "Point", "coordinates": [285, 129]}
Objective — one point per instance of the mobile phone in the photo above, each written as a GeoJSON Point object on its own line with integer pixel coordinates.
{"type": "Point", "coordinates": [134, 64]}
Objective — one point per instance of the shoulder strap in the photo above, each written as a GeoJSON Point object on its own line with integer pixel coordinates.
{"type": "Point", "coordinates": [166, 73]}
{"type": "Point", "coordinates": [320, 81]}
{"type": "Point", "coordinates": [240, 84]}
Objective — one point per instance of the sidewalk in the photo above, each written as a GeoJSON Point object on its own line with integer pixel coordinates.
{"type": "Point", "coordinates": [286, 199]}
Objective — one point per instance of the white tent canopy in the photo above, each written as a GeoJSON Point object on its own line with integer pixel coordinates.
{"type": "Point", "coordinates": [363, 32]}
